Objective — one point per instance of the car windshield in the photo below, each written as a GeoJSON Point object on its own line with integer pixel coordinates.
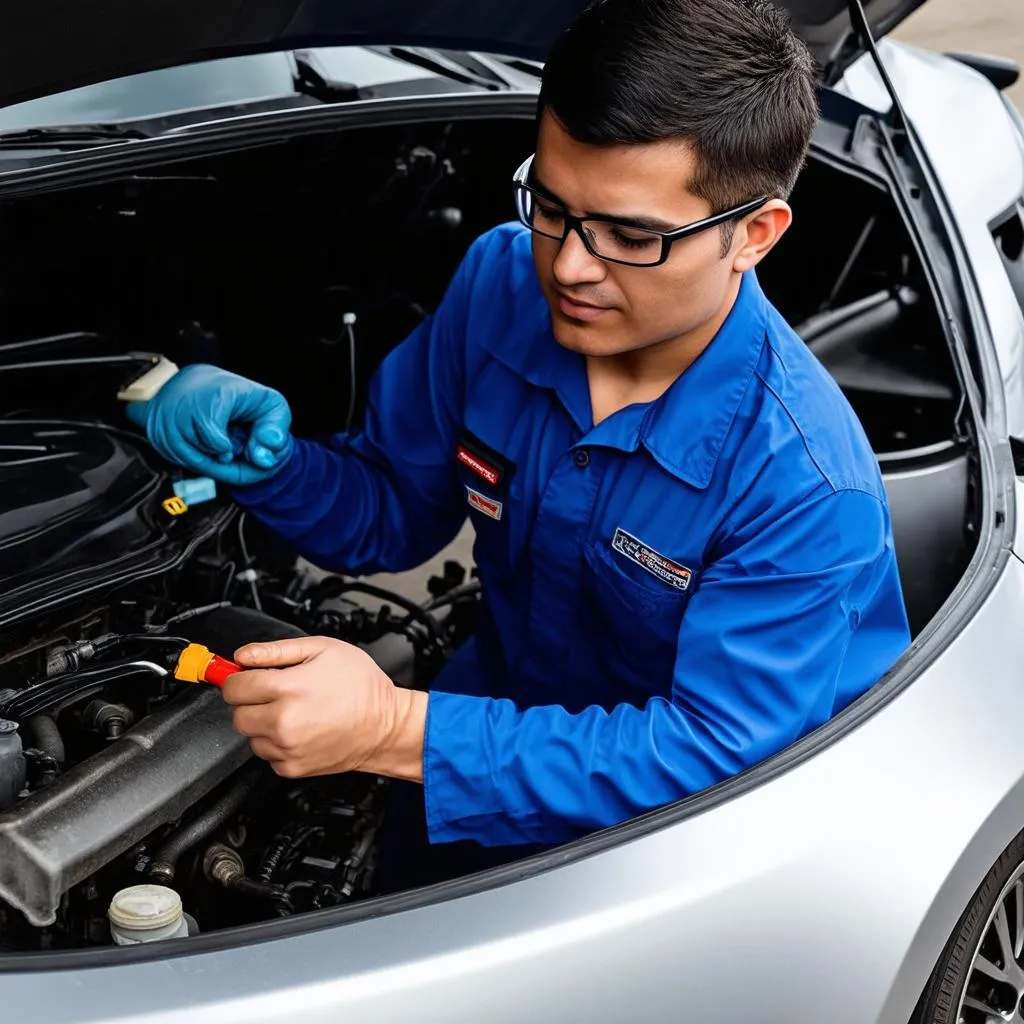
{"type": "Point", "coordinates": [227, 82]}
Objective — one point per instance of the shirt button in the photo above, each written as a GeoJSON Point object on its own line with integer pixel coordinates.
{"type": "Point", "coordinates": [581, 457]}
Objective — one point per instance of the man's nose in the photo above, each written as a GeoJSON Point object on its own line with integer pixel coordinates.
{"type": "Point", "coordinates": [574, 263]}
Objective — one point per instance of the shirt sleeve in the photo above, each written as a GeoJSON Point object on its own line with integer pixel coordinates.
{"type": "Point", "coordinates": [759, 655]}
{"type": "Point", "coordinates": [384, 499]}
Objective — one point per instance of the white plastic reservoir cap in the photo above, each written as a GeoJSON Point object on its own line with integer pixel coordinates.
{"type": "Point", "coordinates": [146, 913]}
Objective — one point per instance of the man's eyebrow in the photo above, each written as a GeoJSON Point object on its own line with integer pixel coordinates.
{"type": "Point", "coordinates": [648, 223]}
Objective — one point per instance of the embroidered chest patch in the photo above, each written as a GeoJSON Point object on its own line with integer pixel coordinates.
{"type": "Point", "coordinates": [672, 573]}
{"type": "Point", "coordinates": [483, 469]}
{"type": "Point", "coordinates": [489, 506]}
{"type": "Point", "coordinates": [484, 462]}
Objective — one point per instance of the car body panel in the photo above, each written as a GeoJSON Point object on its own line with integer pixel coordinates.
{"type": "Point", "coordinates": [955, 111]}
{"type": "Point", "coordinates": [60, 45]}
{"type": "Point", "coordinates": [854, 866]}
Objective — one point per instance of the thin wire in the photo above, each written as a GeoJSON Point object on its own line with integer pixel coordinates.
{"type": "Point", "coordinates": [190, 613]}
{"type": "Point", "coordinates": [149, 666]}
{"type": "Point", "coordinates": [149, 638]}
{"type": "Point", "coordinates": [349, 330]}
{"type": "Point", "coordinates": [230, 578]}
{"type": "Point", "coordinates": [248, 563]}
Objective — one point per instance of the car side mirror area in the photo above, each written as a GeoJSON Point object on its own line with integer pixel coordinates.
{"type": "Point", "coordinates": [1000, 71]}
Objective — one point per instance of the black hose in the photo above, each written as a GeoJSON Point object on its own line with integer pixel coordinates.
{"type": "Point", "coordinates": [44, 735]}
{"type": "Point", "coordinates": [119, 639]}
{"type": "Point", "coordinates": [463, 592]}
{"type": "Point", "coordinates": [334, 586]}
{"type": "Point", "coordinates": [33, 699]}
{"type": "Point", "coordinates": [283, 849]}
{"type": "Point", "coordinates": [273, 856]}
{"type": "Point", "coordinates": [165, 860]}
{"type": "Point", "coordinates": [261, 890]}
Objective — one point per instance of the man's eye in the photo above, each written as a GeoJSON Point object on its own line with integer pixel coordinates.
{"type": "Point", "coordinates": [631, 240]}
{"type": "Point", "coordinates": [549, 213]}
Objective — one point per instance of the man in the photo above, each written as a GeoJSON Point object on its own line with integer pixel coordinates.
{"type": "Point", "coordinates": [682, 533]}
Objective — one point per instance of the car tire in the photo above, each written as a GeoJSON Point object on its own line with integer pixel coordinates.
{"type": "Point", "coordinates": [941, 1002]}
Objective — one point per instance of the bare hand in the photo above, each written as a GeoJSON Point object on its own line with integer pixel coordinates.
{"type": "Point", "coordinates": [315, 706]}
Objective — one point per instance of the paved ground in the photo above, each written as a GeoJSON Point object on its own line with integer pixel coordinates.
{"type": "Point", "coordinates": [982, 26]}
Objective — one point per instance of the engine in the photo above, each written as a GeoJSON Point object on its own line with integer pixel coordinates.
{"type": "Point", "coordinates": [112, 773]}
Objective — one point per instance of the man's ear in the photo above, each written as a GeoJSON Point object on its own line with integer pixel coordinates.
{"type": "Point", "coordinates": [759, 232]}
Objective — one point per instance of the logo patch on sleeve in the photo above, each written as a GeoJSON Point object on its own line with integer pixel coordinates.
{"type": "Point", "coordinates": [488, 506]}
{"type": "Point", "coordinates": [672, 573]}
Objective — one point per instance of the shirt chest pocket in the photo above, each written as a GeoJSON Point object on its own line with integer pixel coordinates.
{"type": "Point", "coordinates": [631, 622]}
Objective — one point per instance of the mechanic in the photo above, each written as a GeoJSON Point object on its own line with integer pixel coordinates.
{"type": "Point", "coordinates": [681, 529]}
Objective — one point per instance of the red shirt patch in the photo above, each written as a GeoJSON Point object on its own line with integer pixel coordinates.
{"type": "Point", "coordinates": [479, 501]}
{"type": "Point", "coordinates": [483, 469]}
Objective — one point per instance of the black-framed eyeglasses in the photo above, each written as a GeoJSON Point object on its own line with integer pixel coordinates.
{"type": "Point", "coordinates": [614, 241]}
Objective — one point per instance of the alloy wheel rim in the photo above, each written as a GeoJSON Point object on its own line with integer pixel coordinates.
{"type": "Point", "coordinates": [994, 993]}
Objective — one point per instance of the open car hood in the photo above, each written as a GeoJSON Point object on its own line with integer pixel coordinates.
{"type": "Point", "coordinates": [49, 46]}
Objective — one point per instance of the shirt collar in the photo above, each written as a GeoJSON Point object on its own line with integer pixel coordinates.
{"type": "Point", "coordinates": [686, 427]}
{"type": "Point", "coordinates": [537, 357]}
{"type": "Point", "coordinates": [683, 430]}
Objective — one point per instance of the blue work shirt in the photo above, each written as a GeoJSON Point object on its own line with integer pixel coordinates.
{"type": "Point", "coordinates": [670, 596]}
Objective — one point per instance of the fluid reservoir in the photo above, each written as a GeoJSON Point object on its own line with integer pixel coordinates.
{"type": "Point", "coordinates": [12, 764]}
{"type": "Point", "coordinates": [146, 913]}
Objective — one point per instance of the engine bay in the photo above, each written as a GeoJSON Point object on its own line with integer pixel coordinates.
{"type": "Point", "coordinates": [112, 773]}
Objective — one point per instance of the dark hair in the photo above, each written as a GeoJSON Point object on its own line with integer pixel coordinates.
{"type": "Point", "coordinates": [729, 77]}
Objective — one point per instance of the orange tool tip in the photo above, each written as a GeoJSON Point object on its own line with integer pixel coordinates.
{"type": "Point", "coordinates": [198, 664]}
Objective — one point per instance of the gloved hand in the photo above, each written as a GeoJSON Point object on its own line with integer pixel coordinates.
{"type": "Point", "coordinates": [217, 424]}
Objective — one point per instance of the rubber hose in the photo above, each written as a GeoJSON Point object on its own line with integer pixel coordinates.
{"type": "Point", "coordinates": [283, 847]}
{"type": "Point", "coordinates": [334, 586]}
{"type": "Point", "coordinates": [165, 861]}
{"type": "Point", "coordinates": [261, 890]}
{"type": "Point", "coordinates": [45, 736]}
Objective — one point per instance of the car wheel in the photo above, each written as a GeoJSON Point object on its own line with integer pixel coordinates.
{"type": "Point", "coordinates": [979, 978]}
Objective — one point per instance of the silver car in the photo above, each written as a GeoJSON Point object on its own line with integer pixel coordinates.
{"type": "Point", "coordinates": [284, 188]}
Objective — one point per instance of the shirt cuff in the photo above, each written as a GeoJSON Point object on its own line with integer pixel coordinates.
{"type": "Point", "coordinates": [288, 475]}
{"type": "Point", "coordinates": [460, 794]}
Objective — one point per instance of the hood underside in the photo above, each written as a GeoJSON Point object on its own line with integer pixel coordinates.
{"type": "Point", "coordinates": [49, 46]}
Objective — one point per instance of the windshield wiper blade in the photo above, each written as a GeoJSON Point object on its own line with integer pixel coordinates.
{"type": "Point", "coordinates": [441, 64]}
{"type": "Point", "coordinates": [534, 68]}
{"type": "Point", "coordinates": [70, 135]}
{"type": "Point", "coordinates": [309, 80]}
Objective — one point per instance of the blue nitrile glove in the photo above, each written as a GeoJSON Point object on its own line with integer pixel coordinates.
{"type": "Point", "coordinates": [217, 424]}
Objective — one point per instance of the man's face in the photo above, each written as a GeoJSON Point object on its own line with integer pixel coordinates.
{"type": "Point", "coordinates": [602, 309]}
